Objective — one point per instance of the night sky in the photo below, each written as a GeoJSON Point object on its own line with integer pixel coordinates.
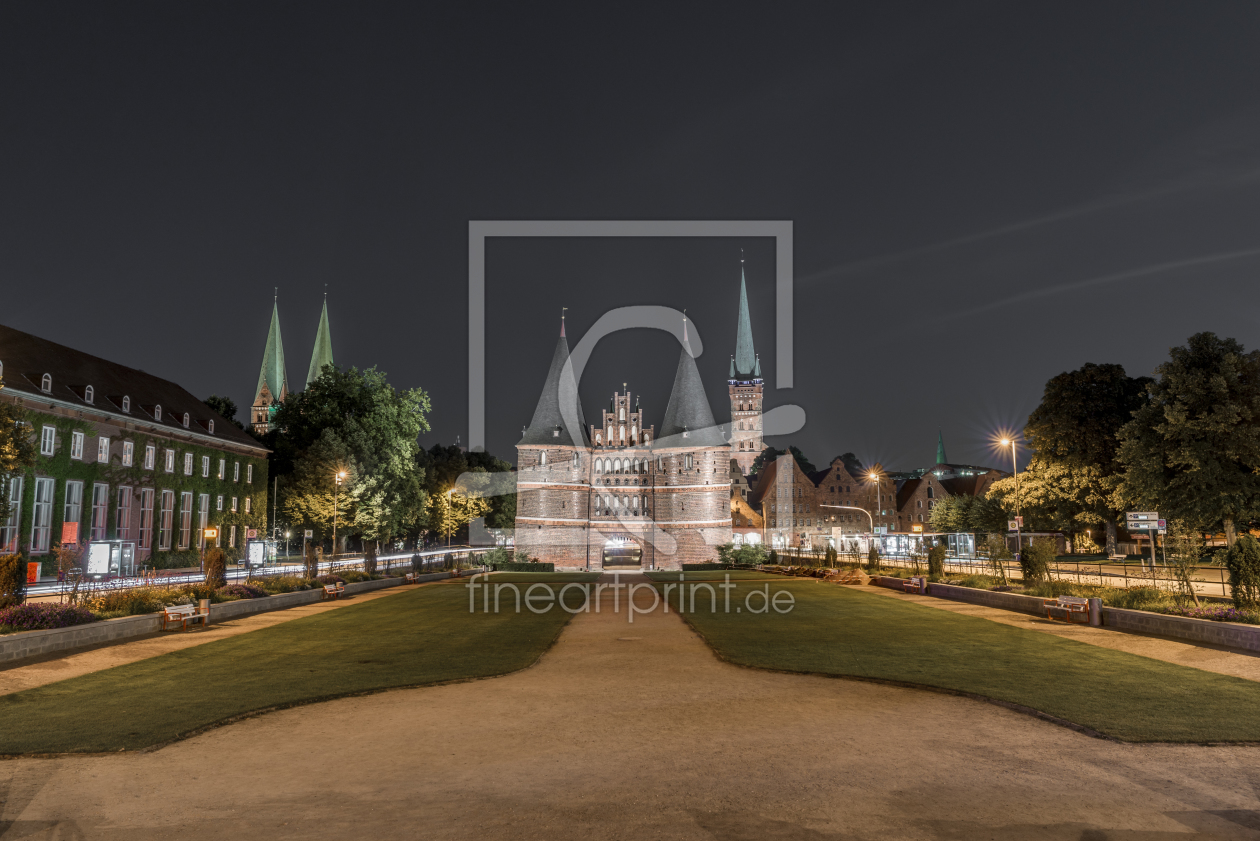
{"type": "Point", "coordinates": [983, 195]}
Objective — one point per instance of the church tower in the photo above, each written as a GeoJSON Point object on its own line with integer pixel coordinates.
{"type": "Point", "coordinates": [273, 382]}
{"type": "Point", "coordinates": [745, 386]}
{"type": "Point", "coordinates": [322, 354]}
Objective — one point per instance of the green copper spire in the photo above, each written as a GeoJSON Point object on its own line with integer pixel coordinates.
{"type": "Point", "coordinates": [745, 358]}
{"type": "Point", "coordinates": [732, 376]}
{"type": "Point", "coordinates": [322, 355]}
{"type": "Point", "coordinates": [272, 377]}
{"type": "Point", "coordinates": [940, 448]}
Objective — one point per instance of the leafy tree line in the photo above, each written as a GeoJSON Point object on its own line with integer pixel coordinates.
{"type": "Point", "coordinates": [1185, 443]}
{"type": "Point", "coordinates": [346, 453]}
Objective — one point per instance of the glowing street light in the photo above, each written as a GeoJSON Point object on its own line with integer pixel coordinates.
{"type": "Point", "coordinates": [341, 474]}
{"type": "Point", "coordinates": [1010, 442]}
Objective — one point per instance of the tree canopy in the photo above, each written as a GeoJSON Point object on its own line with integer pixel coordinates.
{"type": "Point", "coordinates": [17, 449]}
{"type": "Point", "coordinates": [443, 466]}
{"type": "Point", "coordinates": [352, 422]}
{"type": "Point", "coordinates": [226, 407]}
{"type": "Point", "coordinates": [1192, 451]}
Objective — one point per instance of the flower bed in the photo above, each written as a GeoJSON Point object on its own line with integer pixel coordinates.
{"type": "Point", "coordinates": [1216, 614]}
{"type": "Point", "coordinates": [240, 591]}
{"type": "Point", "coordinates": [41, 616]}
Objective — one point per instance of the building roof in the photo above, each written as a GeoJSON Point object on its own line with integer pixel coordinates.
{"type": "Point", "coordinates": [26, 358]}
{"type": "Point", "coordinates": [745, 357]}
{"type": "Point", "coordinates": [273, 375]}
{"type": "Point", "coordinates": [322, 354]}
{"type": "Point", "coordinates": [906, 491]}
{"type": "Point", "coordinates": [559, 408]}
{"type": "Point", "coordinates": [688, 408]}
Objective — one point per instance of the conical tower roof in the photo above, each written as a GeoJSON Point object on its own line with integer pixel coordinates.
{"type": "Point", "coordinates": [745, 356]}
{"type": "Point", "coordinates": [273, 375]}
{"type": "Point", "coordinates": [558, 405]}
{"type": "Point", "coordinates": [940, 448]}
{"type": "Point", "coordinates": [322, 354]}
{"type": "Point", "coordinates": [688, 409]}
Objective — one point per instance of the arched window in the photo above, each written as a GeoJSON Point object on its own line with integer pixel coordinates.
{"type": "Point", "coordinates": [89, 394]}
{"type": "Point", "coordinates": [45, 384]}
{"type": "Point", "coordinates": [211, 427]}
{"type": "Point", "coordinates": [633, 429]}
{"type": "Point", "coordinates": [577, 462]}
{"type": "Point", "coordinates": [929, 492]}
{"type": "Point", "coordinates": [157, 412]}
{"type": "Point", "coordinates": [623, 434]}
{"type": "Point", "coordinates": [599, 466]}
{"type": "Point", "coordinates": [636, 503]}
{"type": "Point", "coordinates": [542, 459]}
{"type": "Point", "coordinates": [598, 439]}
{"type": "Point", "coordinates": [126, 404]}
{"type": "Point", "coordinates": [617, 466]}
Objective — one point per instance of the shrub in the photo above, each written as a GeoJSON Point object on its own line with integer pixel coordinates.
{"type": "Point", "coordinates": [999, 553]}
{"type": "Point", "coordinates": [353, 575]}
{"type": "Point", "coordinates": [240, 591]}
{"type": "Point", "coordinates": [331, 579]}
{"type": "Point", "coordinates": [417, 563]}
{"type": "Point", "coordinates": [773, 558]}
{"type": "Point", "coordinates": [311, 561]}
{"type": "Point", "coordinates": [448, 561]}
{"type": "Point", "coordinates": [216, 568]}
{"type": "Point", "coordinates": [1137, 598]}
{"type": "Point", "coordinates": [872, 559]}
{"type": "Point", "coordinates": [750, 554]}
{"type": "Point", "coordinates": [936, 561]}
{"type": "Point", "coordinates": [282, 584]}
{"type": "Point", "coordinates": [1216, 614]}
{"type": "Point", "coordinates": [176, 559]}
{"type": "Point", "coordinates": [1243, 562]}
{"type": "Point", "coordinates": [1034, 562]}
{"type": "Point", "coordinates": [12, 580]}
{"type": "Point", "coordinates": [42, 616]}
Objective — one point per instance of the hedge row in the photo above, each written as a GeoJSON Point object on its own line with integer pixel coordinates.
{"type": "Point", "coordinates": [515, 567]}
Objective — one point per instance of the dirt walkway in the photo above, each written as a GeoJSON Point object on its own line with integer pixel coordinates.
{"type": "Point", "coordinates": [49, 668]}
{"type": "Point", "coordinates": [637, 731]}
{"type": "Point", "coordinates": [1226, 661]}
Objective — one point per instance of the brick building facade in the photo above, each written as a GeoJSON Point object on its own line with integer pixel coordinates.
{"type": "Point", "coordinates": [588, 497]}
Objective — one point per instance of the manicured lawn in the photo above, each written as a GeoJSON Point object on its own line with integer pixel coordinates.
{"type": "Point", "coordinates": [844, 631]}
{"type": "Point", "coordinates": [420, 636]}
{"type": "Point", "coordinates": [544, 577]}
{"type": "Point", "coordinates": [716, 575]}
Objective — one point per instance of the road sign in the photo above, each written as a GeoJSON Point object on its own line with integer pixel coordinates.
{"type": "Point", "coordinates": [881, 529]}
{"type": "Point", "coordinates": [1141, 515]}
{"type": "Point", "coordinates": [309, 533]}
{"type": "Point", "coordinates": [251, 534]}
{"type": "Point", "coordinates": [1162, 525]}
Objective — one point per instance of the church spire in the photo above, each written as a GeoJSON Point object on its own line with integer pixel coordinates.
{"type": "Point", "coordinates": [940, 448]}
{"type": "Point", "coordinates": [745, 357]}
{"type": "Point", "coordinates": [322, 354]}
{"type": "Point", "coordinates": [273, 382]}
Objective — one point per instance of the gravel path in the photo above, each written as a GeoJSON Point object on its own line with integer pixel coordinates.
{"type": "Point", "coordinates": [638, 731]}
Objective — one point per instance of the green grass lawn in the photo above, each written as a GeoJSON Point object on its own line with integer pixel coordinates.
{"type": "Point", "coordinates": [844, 631]}
{"type": "Point", "coordinates": [716, 575]}
{"type": "Point", "coordinates": [419, 636]}
{"type": "Point", "coordinates": [544, 577]}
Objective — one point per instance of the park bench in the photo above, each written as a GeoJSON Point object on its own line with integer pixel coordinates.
{"type": "Point", "coordinates": [333, 591]}
{"type": "Point", "coordinates": [411, 577]}
{"type": "Point", "coordinates": [1068, 609]}
{"type": "Point", "coordinates": [917, 584]}
{"type": "Point", "coordinates": [183, 614]}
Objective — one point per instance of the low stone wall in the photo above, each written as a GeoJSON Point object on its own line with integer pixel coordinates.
{"type": "Point", "coordinates": [1226, 634]}
{"type": "Point", "coordinates": [33, 643]}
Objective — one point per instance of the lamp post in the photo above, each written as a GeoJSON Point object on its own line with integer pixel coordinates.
{"type": "Point", "coordinates": [341, 474]}
{"type": "Point", "coordinates": [1019, 545]}
{"type": "Point", "coordinates": [447, 524]}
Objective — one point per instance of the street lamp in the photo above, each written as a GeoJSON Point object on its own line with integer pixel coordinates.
{"type": "Point", "coordinates": [341, 474]}
{"type": "Point", "coordinates": [448, 519]}
{"type": "Point", "coordinates": [1019, 546]}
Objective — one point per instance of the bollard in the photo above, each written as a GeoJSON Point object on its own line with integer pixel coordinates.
{"type": "Point", "coordinates": [1095, 613]}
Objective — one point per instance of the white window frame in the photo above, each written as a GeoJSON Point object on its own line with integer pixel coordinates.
{"type": "Point", "coordinates": [126, 404]}
{"type": "Point", "coordinates": [150, 456]}
{"type": "Point", "coordinates": [10, 530]}
{"type": "Point", "coordinates": [76, 445]}
{"type": "Point", "coordinates": [205, 467]}
{"type": "Point", "coordinates": [188, 464]}
{"type": "Point", "coordinates": [128, 453]}
{"type": "Point", "coordinates": [146, 518]}
{"type": "Point", "coordinates": [122, 514]}
{"type": "Point", "coordinates": [218, 506]}
{"type": "Point", "coordinates": [100, 511]}
{"type": "Point", "coordinates": [236, 472]}
{"type": "Point", "coordinates": [232, 536]}
{"type": "Point", "coordinates": [48, 441]}
{"type": "Point", "coordinates": [73, 509]}
{"type": "Point", "coordinates": [41, 516]}
{"type": "Point", "coordinates": [249, 474]}
{"type": "Point", "coordinates": [249, 504]}
{"type": "Point", "coordinates": [185, 519]}
{"type": "Point", "coordinates": [233, 505]}
{"type": "Point", "coordinates": [89, 394]}
{"type": "Point", "coordinates": [222, 468]}
{"type": "Point", "coordinates": [166, 520]}
{"type": "Point", "coordinates": [170, 461]}
{"type": "Point", "coordinates": [203, 519]}
{"type": "Point", "coordinates": [102, 450]}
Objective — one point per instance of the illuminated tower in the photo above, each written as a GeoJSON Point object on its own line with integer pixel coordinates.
{"type": "Point", "coordinates": [745, 385]}
{"type": "Point", "coordinates": [273, 382]}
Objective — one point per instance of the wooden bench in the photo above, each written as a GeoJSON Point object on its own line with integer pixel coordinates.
{"type": "Point", "coordinates": [1068, 609]}
{"type": "Point", "coordinates": [1117, 557]}
{"type": "Point", "coordinates": [333, 591]}
{"type": "Point", "coordinates": [183, 614]}
{"type": "Point", "coordinates": [916, 584]}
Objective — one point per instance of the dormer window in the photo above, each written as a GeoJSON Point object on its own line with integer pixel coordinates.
{"type": "Point", "coordinates": [211, 425]}
{"type": "Point", "coordinates": [555, 433]}
{"type": "Point", "coordinates": [542, 460]}
{"type": "Point", "coordinates": [126, 404]}
{"type": "Point", "coordinates": [157, 412]}
{"type": "Point", "coordinates": [185, 420]}
{"type": "Point", "coordinates": [45, 384]}
{"type": "Point", "coordinates": [88, 394]}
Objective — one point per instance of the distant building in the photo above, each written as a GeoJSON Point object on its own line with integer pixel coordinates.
{"type": "Point", "coordinates": [273, 379]}
{"type": "Point", "coordinates": [123, 456]}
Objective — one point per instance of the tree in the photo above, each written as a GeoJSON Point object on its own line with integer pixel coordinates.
{"type": "Point", "coordinates": [216, 568]}
{"type": "Point", "coordinates": [451, 511]}
{"type": "Point", "coordinates": [1192, 452]}
{"type": "Point", "coordinates": [852, 464]}
{"type": "Point", "coordinates": [1074, 474]}
{"type": "Point", "coordinates": [1243, 562]}
{"type": "Point", "coordinates": [226, 407]}
{"type": "Point", "coordinates": [444, 465]}
{"type": "Point", "coordinates": [769, 454]}
{"type": "Point", "coordinates": [1054, 495]}
{"type": "Point", "coordinates": [354, 422]}
{"type": "Point", "coordinates": [17, 449]}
